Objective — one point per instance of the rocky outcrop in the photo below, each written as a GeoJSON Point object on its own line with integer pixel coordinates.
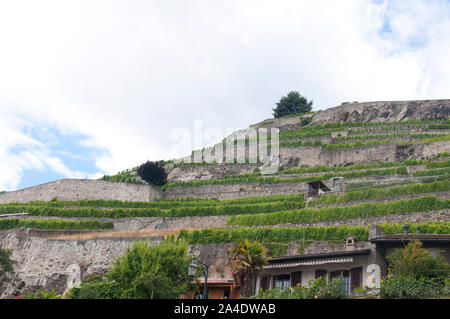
{"type": "Point", "coordinates": [385, 112]}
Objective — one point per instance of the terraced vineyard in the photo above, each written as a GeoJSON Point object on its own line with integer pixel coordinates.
{"type": "Point", "coordinates": [335, 179]}
{"type": "Point", "coordinates": [390, 188]}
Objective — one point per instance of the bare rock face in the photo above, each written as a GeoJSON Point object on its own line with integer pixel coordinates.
{"type": "Point", "coordinates": [385, 112]}
{"type": "Point", "coordinates": [57, 264]}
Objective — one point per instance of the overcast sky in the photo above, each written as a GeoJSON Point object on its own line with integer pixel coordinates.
{"type": "Point", "coordinates": [94, 87]}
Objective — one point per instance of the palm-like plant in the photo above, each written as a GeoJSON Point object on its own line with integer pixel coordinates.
{"type": "Point", "coordinates": [48, 295]}
{"type": "Point", "coordinates": [246, 259]}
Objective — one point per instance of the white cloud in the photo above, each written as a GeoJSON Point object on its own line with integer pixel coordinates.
{"type": "Point", "coordinates": [127, 73]}
{"type": "Point", "coordinates": [20, 152]}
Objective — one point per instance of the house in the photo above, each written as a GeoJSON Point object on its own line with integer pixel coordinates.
{"type": "Point", "coordinates": [352, 263]}
{"type": "Point", "coordinates": [434, 243]}
{"type": "Point", "coordinates": [360, 264]}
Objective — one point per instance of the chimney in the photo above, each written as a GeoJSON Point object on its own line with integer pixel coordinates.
{"type": "Point", "coordinates": [418, 230]}
{"type": "Point", "coordinates": [405, 230]}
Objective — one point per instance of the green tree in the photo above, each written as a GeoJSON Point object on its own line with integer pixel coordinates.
{"type": "Point", "coordinates": [6, 265]}
{"type": "Point", "coordinates": [153, 173]}
{"type": "Point", "coordinates": [417, 262]}
{"type": "Point", "coordinates": [245, 261]}
{"type": "Point", "coordinates": [416, 273]}
{"type": "Point", "coordinates": [293, 103]}
{"type": "Point", "coordinates": [153, 271]}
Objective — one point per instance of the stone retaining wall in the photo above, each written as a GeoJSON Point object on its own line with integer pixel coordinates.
{"type": "Point", "coordinates": [231, 191]}
{"type": "Point", "coordinates": [76, 189]}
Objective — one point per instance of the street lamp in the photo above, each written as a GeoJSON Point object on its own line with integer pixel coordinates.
{"type": "Point", "coordinates": [193, 271]}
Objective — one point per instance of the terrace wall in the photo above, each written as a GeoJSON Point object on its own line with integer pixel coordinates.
{"type": "Point", "coordinates": [58, 264]}
{"type": "Point", "coordinates": [312, 156]}
{"type": "Point", "coordinates": [76, 189]}
{"type": "Point", "coordinates": [201, 172]}
{"type": "Point", "coordinates": [231, 191]}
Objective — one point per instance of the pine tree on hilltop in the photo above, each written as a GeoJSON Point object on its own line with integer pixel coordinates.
{"type": "Point", "coordinates": [293, 103]}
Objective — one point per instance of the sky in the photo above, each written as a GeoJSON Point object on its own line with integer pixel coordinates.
{"type": "Point", "coordinates": [89, 88]}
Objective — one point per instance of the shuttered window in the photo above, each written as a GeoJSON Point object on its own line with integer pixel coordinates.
{"type": "Point", "coordinates": [356, 277]}
{"type": "Point", "coordinates": [265, 281]}
{"type": "Point", "coordinates": [321, 273]}
{"type": "Point", "coordinates": [296, 278]}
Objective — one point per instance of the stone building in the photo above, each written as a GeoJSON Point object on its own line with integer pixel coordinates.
{"type": "Point", "coordinates": [359, 267]}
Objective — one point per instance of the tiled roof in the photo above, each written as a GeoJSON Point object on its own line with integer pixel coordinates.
{"type": "Point", "coordinates": [312, 262]}
{"type": "Point", "coordinates": [298, 258]}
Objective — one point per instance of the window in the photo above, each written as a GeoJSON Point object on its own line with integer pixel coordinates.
{"type": "Point", "coordinates": [321, 273]}
{"type": "Point", "coordinates": [345, 278]}
{"type": "Point", "coordinates": [282, 281]}
{"type": "Point", "coordinates": [227, 293]}
{"type": "Point", "coordinates": [265, 281]}
{"type": "Point", "coordinates": [296, 279]}
{"type": "Point", "coordinates": [356, 277]}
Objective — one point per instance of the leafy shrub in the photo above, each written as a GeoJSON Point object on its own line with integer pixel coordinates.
{"type": "Point", "coordinates": [377, 193]}
{"type": "Point", "coordinates": [412, 288]}
{"type": "Point", "coordinates": [146, 271]}
{"type": "Point", "coordinates": [275, 249]}
{"type": "Point", "coordinates": [288, 234]}
{"type": "Point", "coordinates": [331, 147]}
{"type": "Point", "coordinates": [97, 289]}
{"type": "Point", "coordinates": [432, 172]}
{"type": "Point", "coordinates": [416, 273]}
{"type": "Point", "coordinates": [309, 215]}
{"type": "Point", "coordinates": [378, 136]}
{"type": "Point", "coordinates": [415, 261]}
{"type": "Point", "coordinates": [439, 126]}
{"type": "Point", "coordinates": [275, 234]}
{"type": "Point", "coordinates": [12, 223]}
{"type": "Point", "coordinates": [153, 173]}
{"type": "Point", "coordinates": [305, 120]}
{"type": "Point", "coordinates": [320, 288]}
{"type": "Point", "coordinates": [425, 228]}
{"type": "Point", "coordinates": [6, 265]}
{"type": "Point", "coordinates": [438, 164]}
{"type": "Point", "coordinates": [159, 203]}
{"type": "Point", "coordinates": [158, 212]}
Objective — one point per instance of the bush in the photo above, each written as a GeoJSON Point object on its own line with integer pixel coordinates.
{"type": "Point", "coordinates": [275, 234]}
{"type": "Point", "coordinates": [425, 228]}
{"type": "Point", "coordinates": [305, 120]}
{"type": "Point", "coordinates": [6, 265]}
{"type": "Point", "coordinates": [416, 262]}
{"type": "Point", "coordinates": [412, 288]}
{"type": "Point", "coordinates": [309, 215]}
{"type": "Point", "coordinates": [12, 223]}
{"type": "Point", "coordinates": [416, 273]}
{"type": "Point", "coordinates": [291, 104]}
{"type": "Point", "coordinates": [97, 289]}
{"type": "Point", "coordinates": [147, 271]}
{"type": "Point", "coordinates": [153, 173]}
{"type": "Point", "coordinates": [378, 193]}
{"type": "Point", "coordinates": [320, 288]}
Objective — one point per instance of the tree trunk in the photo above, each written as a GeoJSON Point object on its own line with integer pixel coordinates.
{"type": "Point", "coordinates": [247, 288]}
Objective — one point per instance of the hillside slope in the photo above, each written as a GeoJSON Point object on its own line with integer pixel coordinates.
{"type": "Point", "coordinates": [341, 174]}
